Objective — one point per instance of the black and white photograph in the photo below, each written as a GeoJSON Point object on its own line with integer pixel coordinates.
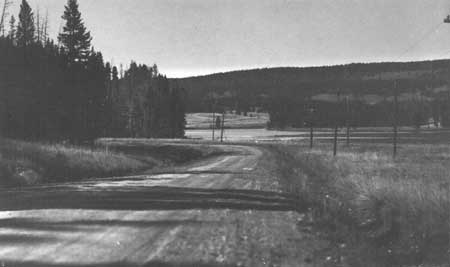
{"type": "Point", "coordinates": [224, 133]}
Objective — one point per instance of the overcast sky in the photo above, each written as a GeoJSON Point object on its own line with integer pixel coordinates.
{"type": "Point", "coordinates": [191, 37]}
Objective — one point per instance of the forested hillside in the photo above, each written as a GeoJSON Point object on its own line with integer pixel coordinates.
{"type": "Point", "coordinates": [63, 90]}
{"type": "Point", "coordinates": [366, 90]}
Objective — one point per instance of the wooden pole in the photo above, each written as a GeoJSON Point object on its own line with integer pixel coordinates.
{"type": "Point", "coordinates": [335, 139]}
{"type": "Point", "coordinates": [311, 123]}
{"type": "Point", "coordinates": [213, 124]}
{"type": "Point", "coordinates": [347, 120]}
{"type": "Point", "coordinates": [223, 125]}
{"type": "Point", "coordinates": [395, 119]}
{"type": "Point", "coordinates": [336, 128]}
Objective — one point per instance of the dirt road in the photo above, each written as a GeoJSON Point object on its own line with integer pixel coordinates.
{"type": "Point", "coordinates": [222, 211]}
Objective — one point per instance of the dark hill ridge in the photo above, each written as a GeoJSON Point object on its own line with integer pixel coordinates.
{"type": "Point", "coordinates": [245, 89]}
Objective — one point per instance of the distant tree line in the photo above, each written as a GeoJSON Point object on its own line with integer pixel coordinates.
{"type": "Point", "coordinates": [285, 113]}
{"type": "Point", "coordinates": [287, 93]}
{"type": "Point", "coordinates": [65, 91]}
{"type": "Point", "coordinates": [415, 108]}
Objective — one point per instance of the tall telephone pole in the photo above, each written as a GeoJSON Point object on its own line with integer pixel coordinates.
{"type": "Point", "coordinates": [336, 125]}
{"type": "Point", "coordinates": [347, 119]}
{"type": "Point", "coordinates": [311, 110]}
{"type": "Point", "coordinates": [395, 119]}
{"type": "Point", "coordinates": [213, 123]}
{"type": "Point", "coordinates": [213, 105]}
{"type": "Point", "coordinates": [222, 126]}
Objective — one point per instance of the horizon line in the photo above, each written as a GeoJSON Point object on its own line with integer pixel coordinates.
{"type": "Point", "coordinates": [183, 74]}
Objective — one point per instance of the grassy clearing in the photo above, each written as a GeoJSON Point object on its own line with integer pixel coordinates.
{"type": "Point", "coordinates": [375, 209]}
{"type": "Point", "coordinates": [25, 163]}
{"type": "Point", "coordinates": [203, 120]}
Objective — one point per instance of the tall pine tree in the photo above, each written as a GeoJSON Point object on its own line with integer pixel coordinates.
{"type": "Point", "coordinates": [12, 28]}
{"type": "Point", "coordinates": [75, 39]}
{"type": "Point", "coordinates": [25, 29]}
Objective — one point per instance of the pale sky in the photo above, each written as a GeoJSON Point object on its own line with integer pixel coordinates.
{"type": "Point", "coordinates": [193, 37]}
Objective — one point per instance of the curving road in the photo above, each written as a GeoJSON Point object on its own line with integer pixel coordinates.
{"type": "Point", "coordinates": [222, 211]}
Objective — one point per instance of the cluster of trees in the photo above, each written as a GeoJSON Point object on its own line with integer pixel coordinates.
{"type": "Point", "coordinates": [146, 104]}
{"type": "Point", "coordinates": [65, 90]}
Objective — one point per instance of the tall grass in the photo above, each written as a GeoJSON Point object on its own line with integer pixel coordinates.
{"type": "Point", "coordinates": [392, 212]}
{"type": "Point", "coordinates": [23, 163]}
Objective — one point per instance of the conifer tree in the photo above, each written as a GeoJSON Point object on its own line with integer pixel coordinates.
{"type": "Point", "coordinates": [25, 29]}
{"type": "Point", "coordinates": [75, 38]}
{"type": "Point", "coordinates": [115, 74]}
{"type": "Point", "coordinates": [38, 25]}
{"type": "Point", "coordinates": [12, 28]}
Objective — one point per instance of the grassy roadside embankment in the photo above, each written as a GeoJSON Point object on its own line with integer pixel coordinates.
{"type": "Point", "coordinates": [376, 211]}
{"type": "Point", "coordinates": [168, 151]}
{"type": "Point", "coordinates": [28, 163]}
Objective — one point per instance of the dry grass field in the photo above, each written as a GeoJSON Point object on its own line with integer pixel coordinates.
{"type": "Point", "coordinates": [376, 209]}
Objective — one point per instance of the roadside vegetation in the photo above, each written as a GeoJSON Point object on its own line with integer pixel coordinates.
{"type": "Point", "coordinates": [373, 208]}
{"type": "Point", "coordinates": [26, 163]}
{"type": "Point", "coordinates": [167, 151]}
{"type": "Point", "coordinates": [30, 163]}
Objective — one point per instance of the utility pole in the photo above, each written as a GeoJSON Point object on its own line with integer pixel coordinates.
{"type": "Point", "coordinates": [311, 124]}
{"type": "Point", "coordinates": [223, 125]}
{"type": "Point", "coordinates": [395, 119]}
{"type": "Point", "coordinates": [213, 105]}
{"type": "Point", "coordinates": [213, 123]}
{"type": "Point", "coordinates": [347, 119]}
{"type": "Point", "coordinates": [335, 139]}
{"type": "Point", "coordinates": [447, 20]}
{"type": "Point", "coordinates": [336, 125]}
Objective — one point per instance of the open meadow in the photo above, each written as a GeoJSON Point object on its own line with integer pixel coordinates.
{"type": "Point", "coordinates": [204, 120]}
{"type": "Point", "coordinates": [376, 210]}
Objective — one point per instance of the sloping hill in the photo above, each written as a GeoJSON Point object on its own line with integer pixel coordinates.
{"type": "Point", "coordinates": [246, 89]}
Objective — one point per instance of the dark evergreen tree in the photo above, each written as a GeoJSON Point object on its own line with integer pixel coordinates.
{"type": "Point", "coordinates": [115, 74]}
{"type": "Point", "coordinates": [25, 29]}
{"type": "Point", "coordinates": [12, 28]}
{"type": "Point", "coordinates": [75, 39]}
